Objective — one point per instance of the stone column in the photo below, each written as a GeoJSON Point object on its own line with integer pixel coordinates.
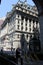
{"type": "Point", "coordinates": [35, 24]}
{"type": "Point", "coordinates": [20, 22]}
{"type": "Point", "coordinates": [24, 24]}
{"type": "Point", "coordinates": [32, 26]}
{"type": "Point", "coordinates": [28, 25]}
{"type": "Point", "coordinates": [7, 28]}
{"type": "Point", "coordinates": [38, 25]}
{"type": "Point", "coordinates": [16, 21]}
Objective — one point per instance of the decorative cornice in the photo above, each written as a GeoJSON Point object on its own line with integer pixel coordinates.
{"type": "Point", "coordinates": [10, 14]}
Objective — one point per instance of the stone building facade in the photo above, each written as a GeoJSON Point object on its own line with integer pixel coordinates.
{"type": "Point", "coordinates": [22, 19]}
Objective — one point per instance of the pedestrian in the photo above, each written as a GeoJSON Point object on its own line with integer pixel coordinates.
{"type": "Point", "coordinates": [17, 55]}
{"type": "Point", "coordinates": [21, 60]}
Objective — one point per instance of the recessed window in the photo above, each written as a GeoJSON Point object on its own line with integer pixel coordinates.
{"type": "Point", "coordinates": [33, 30]}
{"type": "Point", "coordinates": [18, 35]}
{"type": "Point", "coordinates": [18, 16]}
{"type": "Point", "coordinates": [21, 4]}
{"type": "Point", "coordinates": [22, 17]}
{"type": "Point", "coordinates": [18, 26]}
{"type": "Point", "coordinates": [36, 22]}
{"type": "Point", "coordinates": [26, 24]}
{"type": "Point", "coordinates": [26, 19]}
{"type": "Point", "coordinates": [26, 28]}
{"type": "Point", "coordinates": [27, 36]}
{"type": "Point", "coordinates": [30, 36]}
{"type": "Point", "coordinates": [29, 29]}
{"type": "Point", "coordinates": [29, 20]}
{"type": "Point", "coordinates": [18, 21]}
{"type": "Point", "coordinates": [22, 28]}
{"type": "Point", "coordinates": [22, 23]}
{"type": "Point", "coordinates": [33, 26]}
{"type": "Point", "coordinates": [33, 21]}
{"type": "Point", "coordinates": [28, 7]}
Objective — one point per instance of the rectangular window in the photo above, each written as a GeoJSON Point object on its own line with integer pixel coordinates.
{"type": "Point", "coordinates": [18, 26]}
{"type": "Point", "coordinates": [26, 29]}
{"type": "Point", "coordinates": [27, 36]}
{"type": "Point", "coordinates": [33, 21]}
{"type": "Point", "coordinates": [18, 16]}
{"type": "Point", "coordinates": [29, 22]}
{"type": "Point", "coordinates": [22, 28]}
{"type": "Point", "coordinates": [22, 23]}
{"type": "Point", "coordinates": [26, 24]}
{"type": "Point", "coordinates": [18, 35]}
{"type": "Point", "coordinates": [29, 29]}
{"type": "Point", "coordinates": [36, 24]}
{"type": "Point", "coordinates": [26, 19]}
{"type": "Point", "coordinates": [18, 22]}
{"type": "Point", "coordinates": [22, 18]}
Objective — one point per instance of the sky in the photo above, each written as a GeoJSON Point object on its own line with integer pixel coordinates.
{"type": "Point", "coordinates": [6, 6]}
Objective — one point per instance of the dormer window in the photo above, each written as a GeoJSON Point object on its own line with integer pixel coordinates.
{"type": "Point", "coordinates": [28, 7]}
{"type": "Point", "coordinates": [21, 4]}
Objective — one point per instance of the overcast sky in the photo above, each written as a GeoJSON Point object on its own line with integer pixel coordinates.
{"type": "Point", "coordinates": [6, 6]}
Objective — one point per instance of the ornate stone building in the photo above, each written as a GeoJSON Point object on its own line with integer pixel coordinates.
{"type": "Point", "coordinates": [22, 19]}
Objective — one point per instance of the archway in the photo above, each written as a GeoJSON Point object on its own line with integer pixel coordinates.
{"type": "Point", "coordinates": [39, 5]}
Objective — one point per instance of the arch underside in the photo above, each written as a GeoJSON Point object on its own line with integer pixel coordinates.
{"type": "Point", "coordinates": [39, 5]}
